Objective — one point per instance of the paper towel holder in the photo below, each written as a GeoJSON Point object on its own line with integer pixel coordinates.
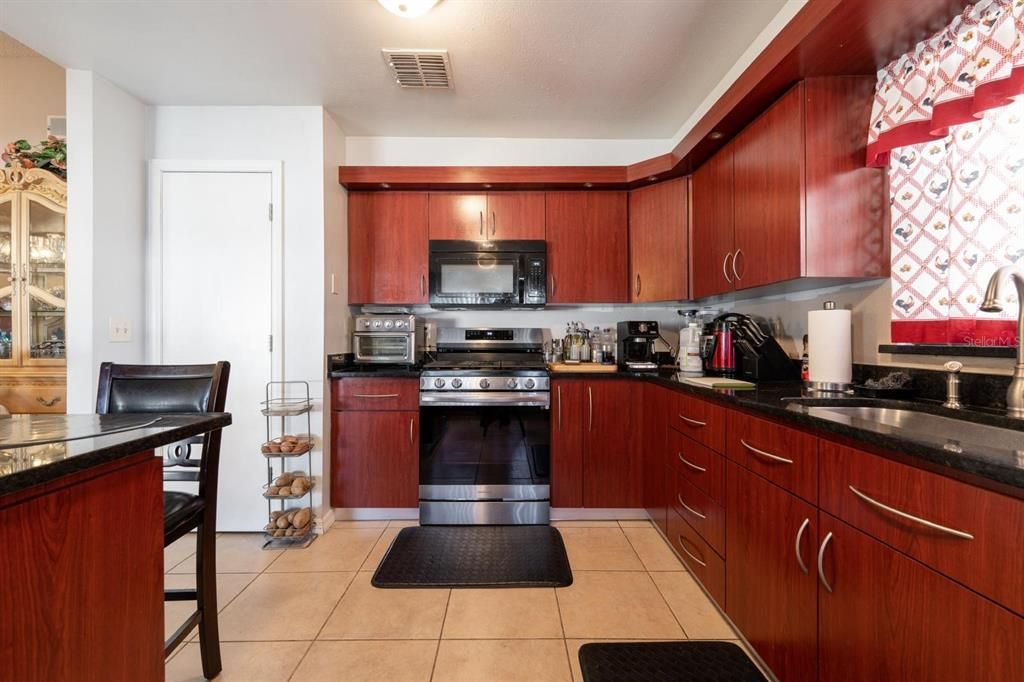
{"type": "Point", "coordinates": [828, 386]}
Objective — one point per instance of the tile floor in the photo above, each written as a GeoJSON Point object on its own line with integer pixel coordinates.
{"type": "Point", "coordinates": [311, 615]}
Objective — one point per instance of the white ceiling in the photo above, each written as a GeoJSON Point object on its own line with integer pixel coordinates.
{"type": "Point", "coordinates": [627, 69]}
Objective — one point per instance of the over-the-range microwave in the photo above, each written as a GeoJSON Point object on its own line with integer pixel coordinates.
{"type": "Point", "coordinates": [488, 274]}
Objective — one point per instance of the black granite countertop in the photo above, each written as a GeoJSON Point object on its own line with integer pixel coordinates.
{"type": "Point", "coordinates": [381, 372]}
{"type": "Point", "coordinates": [37, 449]}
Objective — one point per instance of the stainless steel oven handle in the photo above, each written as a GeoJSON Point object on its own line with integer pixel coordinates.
{"type": "Point", "coordinates": [485, 398]}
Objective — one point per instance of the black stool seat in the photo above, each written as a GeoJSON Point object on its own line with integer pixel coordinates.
{"type": "Point", "coordinates": [182, 512]}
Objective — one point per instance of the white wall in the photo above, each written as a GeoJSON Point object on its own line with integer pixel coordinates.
{"type": "Point", "coordinates": [33, 88]}
{"type": "Point", "coordinates": [106, 229]}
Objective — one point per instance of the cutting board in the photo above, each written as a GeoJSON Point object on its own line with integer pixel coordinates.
{"type": "Point", "coordinates": [588, 367]}
{"type": "Point", "coordinates": [718, 382]}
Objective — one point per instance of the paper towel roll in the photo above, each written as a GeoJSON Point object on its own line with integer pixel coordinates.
{"type": "Point", "coordinates": [830, 346]}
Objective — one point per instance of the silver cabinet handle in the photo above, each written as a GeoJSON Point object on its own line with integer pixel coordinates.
{"type": "Point", "coordinates": [375, 395]}
{"type": "Point", "coordinates": [910, 517]}
{"type": "Point", "coordinates": [494, 224]}
{"type": "Point", "coordinates": [689, 464]}
{"type": "Point", "coordinates": [411, 420]}
{"type": "Point", "coordinates": [554, 284]}
{"type": "Point", "coordinates": [481, 223]}
{"type": "Point", "coordinates": [735, 259]}
{"type": "Point", "coordinates": [638, 285]}
{"type": "Point", "coordinates": [559, 392]}
{"type": "Point", "coordinates": [799, 537]}
{"type": "Point", "coordinates": [687, 552]}
{"type": "Point", "coordinates": [692, 422]}
{"type": "Point", "coordinates": [689, 508]}
{"type": "Point", "coordinates": [590, 409]}
{"type": "Point", "coordinates": [725, 267]}
{"type": "Point", "coordinates": [774, 458]}
{"type": "Point", "coordinates": [423, 284]}
{"type": "Point", "coordinates": [821, 561]}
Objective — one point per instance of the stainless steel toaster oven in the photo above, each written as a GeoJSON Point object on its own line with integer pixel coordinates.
{"type": "Point", "coordinates": [388, 339]}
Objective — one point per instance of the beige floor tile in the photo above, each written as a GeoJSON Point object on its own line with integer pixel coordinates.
{"type": "Point", "coordinates": [229, 585]}
{"type": "Point", "coordinates": [599, 549]}
{"type": "Point", "coordinates": [403, 523]}
{"type": "Point", "coordinates": [379, 523]}
{"type": "Point", "coordinates": [380, 549]}
{"type": "Point", "coordinates": [692, 608]}
{"type": "Point", "coordinates": [366, 612]}
{"type": "Point", "coordinates": [179, 550]}
{"type": "Point", "coordinates": [392, 661]}
{"type": "Point", "coordinates": [502, 614]}
{"type": "Point", "coordinates": [652, 549]}
{"type": "Point", "coordinates": [237, 553]}
{"type": "Point", "coordinates": [615, 604]}
{"type": "Point", "coordinates": [496, 660]}
{"type": "Point", "coordinates": [635, 523]}
{"type": "Point", "coordinates": [283, 606]}
{"type": "Point", "coordinates": [583, 523]}
{"type": "Point", "coordinates": [339, 549]}
{"type": "Point", "coordinates": [241, 661]}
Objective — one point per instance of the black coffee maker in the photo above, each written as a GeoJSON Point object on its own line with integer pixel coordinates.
{"type": "Point", "coordinates": [635, 346]}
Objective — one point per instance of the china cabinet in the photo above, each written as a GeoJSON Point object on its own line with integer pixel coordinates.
{"type": "Point", "coordinates": [33, 299]}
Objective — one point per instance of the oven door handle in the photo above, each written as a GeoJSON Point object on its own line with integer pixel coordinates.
{"type": "Point", "coordinates": [485, 398]}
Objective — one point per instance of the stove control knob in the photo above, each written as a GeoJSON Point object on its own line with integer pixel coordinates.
{"type": "Point", "coordinates": [511, 383]}
{"type": "Point", "coordinates": [376, 324]}
{"type": "Point", "coordinates": [456, 383]}
{"type": "Point", "coordinates": [439, 383]}
{"type": "Point", "coordinates": [484, 383]}
{"type": "Point", "coordinates": [388, 324]}
{"type": "Point", "coordinates": [530, 383]}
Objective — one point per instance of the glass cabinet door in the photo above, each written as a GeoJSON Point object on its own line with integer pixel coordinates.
{"type": "Point", "coordinates": [44, 279]}
{"type": "Point", "coordinates": [8, 281]}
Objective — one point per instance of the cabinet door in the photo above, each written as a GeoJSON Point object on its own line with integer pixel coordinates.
{"type": "Point", "coordinates": [387, 247]}
{"type": "Point", "coordinates": [711, 226]}
{"type": "Point", "coordinates": [588, 249]}
{"type": "Point", "coordinates": [375, 459]}
{"type": "Point", "coordinates": [769, 595]}
{"type": "Point", "coordinates": [44, 285]}
{"type": "Point", "coordinates": [612, 463]}
{"type": "Point", "coordinates": [887, 617]}
{"type": "Point", "coordinates": [458, 216]}
{"type": "Point", "coordinates": [657, 242]}
{"type": "Point", "coordinates": [567, 443]}
{"type": "Point", "coordinates": [515, 215]}
{"type": "Point", "coordinates": [768, 191]}
{"type": "Point", "coordinates": [656, 403]}
{"type": "Point", "coordinates": [8, 292]}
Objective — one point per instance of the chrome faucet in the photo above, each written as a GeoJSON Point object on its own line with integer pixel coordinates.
{"type": "Point", "coordinates": [1015, 393]}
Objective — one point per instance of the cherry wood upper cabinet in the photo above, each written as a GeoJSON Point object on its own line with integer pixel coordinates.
{"type": "Point", "coordinates": [658, 242]}
{"type": "Point", "coordinates": [588, 247]}
{"type": "Point", "coordinates": [711, 225]}
{"type": "Point", "coordinates": [387, 247]}
{"type": "Point", "coordinates": [567, 442]}
{"type": "Point", "coordinates": [504, 215]}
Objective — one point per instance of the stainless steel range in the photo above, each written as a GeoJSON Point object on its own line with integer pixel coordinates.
{"type": "Point", "coordinates": [485, 429]}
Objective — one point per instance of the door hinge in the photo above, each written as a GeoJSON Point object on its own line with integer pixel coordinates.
{"type": "Point", "coordinates": [270, 212]}
{"type": "Point", "coordinates": [270, 342]}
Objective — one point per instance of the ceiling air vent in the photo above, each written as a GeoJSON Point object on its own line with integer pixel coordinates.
{"type": "Point", "coordinates": [420, 68]}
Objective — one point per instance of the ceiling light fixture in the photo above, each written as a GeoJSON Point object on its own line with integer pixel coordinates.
{"type": "Point", "coordinates": [715, 135]}
{"type": "Point", "coordinates": [409, 9]}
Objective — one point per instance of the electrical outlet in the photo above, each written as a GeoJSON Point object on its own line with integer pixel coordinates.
{"type": "Point", "coordinates": [120, 330]}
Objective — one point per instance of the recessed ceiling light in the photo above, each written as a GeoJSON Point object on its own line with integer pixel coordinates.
{"type": "Point", "coordinates": [715, 135]}
{"type": "Point", "coordinates": [385, 185]}
{"type": "Point", "coordinates": [653, 178]}
{"type": "Point", "coordinates": [487, 185]}
{"type": "Point", "coordinates": [410, 9]}
{"type": "Point", "coordinates": [588, 184]}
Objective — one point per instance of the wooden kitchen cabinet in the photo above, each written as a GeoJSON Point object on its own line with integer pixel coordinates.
{"type": "Point", "coordinates": [884, 616]}
{"type": "Point", "coordinates": [657, 402]}
{"type": "Point", "coordinates": [567, 442]}
{"type": "Point", "coordinates": [658, 267]}
{"type": "Point", "coordinates": [375, 458]}
{"type": "Point", "coordinates": [387, 242]}
{"type": "Point", "coordinates": [771, 586]}
{"type": "Point", "coordinates": [501, 215]}
{"type": "Point", "coordinates": [711, 225]}
{"type": "Point", "coordinates": [588, 247]}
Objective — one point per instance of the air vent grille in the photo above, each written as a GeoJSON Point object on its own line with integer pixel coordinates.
{"type": "Point", "coordinates": [420, 68]}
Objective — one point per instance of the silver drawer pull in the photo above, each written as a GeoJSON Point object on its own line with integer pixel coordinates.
{"type": "Point", "coordinates": [687, 552]}
{"type": "Point", "coordinates": [799, 537]}
{"type": "Point", "coordinates": [769, 455]}
{"type": "Point", "coordinates": [821, 562]}
{"type": "Point", "coordinates": [690, 464]}
{"type": "Point", "coordinates": [375, 395]}
{"type": "Point", "coordinates": [909, 517]}
{"type": "Point", "coordinates": [692, 422]}
{"type": "Point", "coordinates": [689, 508]}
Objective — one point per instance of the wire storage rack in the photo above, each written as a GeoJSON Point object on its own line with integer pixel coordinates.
{"type": "Point", "coordinates": [290, 488]}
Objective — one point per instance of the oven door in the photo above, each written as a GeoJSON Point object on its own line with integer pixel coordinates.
{"type": "Point", "coordinates": [480, 279]}
{"type": "Point", "coordinates": [383, 348]}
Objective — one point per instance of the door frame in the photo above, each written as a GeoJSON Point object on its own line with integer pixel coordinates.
{"type": "Point", "coordinates": [154, 249]}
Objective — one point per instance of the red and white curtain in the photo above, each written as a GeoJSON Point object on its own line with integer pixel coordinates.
{"type": "Point", "coordinates": [946, 124]}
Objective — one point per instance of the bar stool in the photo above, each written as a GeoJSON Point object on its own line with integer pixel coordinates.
{"type": "Point", "coordinates": [181, 389]}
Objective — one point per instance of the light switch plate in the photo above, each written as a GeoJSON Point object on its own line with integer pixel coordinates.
{"type": "Point", "coordinates": [120, 330]}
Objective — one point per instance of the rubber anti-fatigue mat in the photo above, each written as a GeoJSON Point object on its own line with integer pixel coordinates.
{"type": "Point", "coordinates": [667, 662]}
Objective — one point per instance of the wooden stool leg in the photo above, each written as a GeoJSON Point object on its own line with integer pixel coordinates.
{"type": "Point", "coordinates": [206, 593]}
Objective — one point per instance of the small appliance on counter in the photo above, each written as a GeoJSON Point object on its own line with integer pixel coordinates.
{"type": "Point", "coordinates": [390, 339]}
{"type": "Point", "coordinates": [636, 346]}
{"type": "Point", "coordinates": [735, 345]}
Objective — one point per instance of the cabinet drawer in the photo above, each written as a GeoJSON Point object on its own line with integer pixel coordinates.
{"type": "Point", "coordinates": [702, 513]}
{"type": "Point", "coordinates": [786, 457]}
{"type": "Point", "coordinates": [33, 399]}
{"type": "Point", "coordinates": [360, 393]}
{"type": "Point", "coordinates": [700, 465]}
{"type": "Point", "coordinates": [928, 517]}
{"type": "Point", "coordinates": [704, 564]}
{"type": "Point", "coordinates": [700, 420]}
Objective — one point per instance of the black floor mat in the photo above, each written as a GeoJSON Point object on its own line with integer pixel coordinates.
{"type": "Point", "coordinates": [475, 556]}
{"type": "Point", "coordinates": [667, 662]}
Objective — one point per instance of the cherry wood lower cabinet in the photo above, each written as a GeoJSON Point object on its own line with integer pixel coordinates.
{"type": "Point", "coordinates": [567, 442]}
{"type": "Point", "coordinates": [657, 474]}
{"type": "Point", "coordinates": [771, 586]}
{"type": "Point", "coordinates": [375, 459]}
{"type": "Point", "coordinates": [884, 616]}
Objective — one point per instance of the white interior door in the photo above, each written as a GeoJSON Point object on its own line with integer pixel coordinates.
{"type": "Point", "coordinates": [214, 298]}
